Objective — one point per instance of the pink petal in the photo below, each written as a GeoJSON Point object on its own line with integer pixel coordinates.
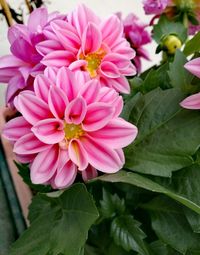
{"type": "Point", "coordinates": [90, 91]}
{"type": "Point", "coordinates": [91, 39]}
{"type": "Point", "coordinates": [16, 128]}
{"type": "Point", "coordinates": [117, 59]}
{"type": "Point", "coordinates": [58, 58]}
{"type": "Point", "coordinates": [42, 86]}
{"type": "Point", "coordinates": [129, 71]}
{"type": "Point", "coordinates": [77, 65]}
{"type": "Point", "coordinates": [37, 19]}
{"type": "Point", "coordinates": [76, 110]}
{"type": "Point", "coordinates": [63, 158]}
{"type": "Point", "coordinates": [109, 69]}
{"type": "Point", "coordinates": [57, 102]}
{"type": "Point", "coordinates": [65, 176]}
{"type": "Point", "coordinates": [29, 144]}
{"type": "Point", "coordinates": [66, 81]}
{"type": "Point", "coordinates": [78, 154]}
{"type": "Point", "coordinates": [10, 61]}
{"type": "Point", "coordinates": [32, 108]}
{"type": "Point", "coordinates": [16, 31]}
{"type": "Point", "coordinates": [89, 173]}
{"type": "Point", "coordinates": [100, 156]}
{"type": "Point", "coordinates": [13, 88]}
{"type": "Point", "coordinates": [98, 115]}
{"type": "Point", "coordinates": [191, 102]}
{"type": "Point", "coordinates": [121, 156]}
{"type": "Point", "coordinates": [51, 73]}
{"type": "Point", "coordinates": [118, 133]}
{"type": "Point", "coordinates": [24, 159]}
{"type": "Point", "coordinates": [120, 84]}
{"type": "Point", "coordinates": [48, 46]}
{"type": "Point", "coordinates": [49, 131]}
{"type": "Point", "coordinates": [193, 66]}
{"type": "Point", "coordinates": [44, 165]}
{"type": "Point", "coordinates": [112, 29]}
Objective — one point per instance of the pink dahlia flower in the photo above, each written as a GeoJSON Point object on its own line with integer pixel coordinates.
{"type": "Point", "coordinates": [20, 67]}
{"type": "Point", "coordinates": [68, 126]}
{"type": "Point", "coordinates": [192, 102]}
{"type": "Point", "coordinates": [135, 32]}
{"type": "Point", "coordinates": [91, 45]}
{"type": "Point", "coordinates": [155, 6]}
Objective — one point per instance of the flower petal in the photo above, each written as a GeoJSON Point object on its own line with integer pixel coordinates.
{"type": "Point", "coordinates": [37, 19]}
{"type": "Point", "coordinates": [100, 156]}
{"type": "Point", "coordinates": [42, 86]}
{"type": "Point", "coordinates": [32, 108]}
{"type": "Point", "coordinates": [48, 46]}
{"type": "Point", "coordinates": [97, 116]}
{"type": "Point", "coordinates": [76, 110]}
{"type": "Point", "coordinates": [109, 69]}
{"type": "Point", "coordinates": [191, 102]}
{"type": "Point", "coordinates": [91, 39]}
{"type": "Point", "coordinates": [78, 154]}
{"type": "Point", "coordinates": [90, 91]}
{"type": "Point", "coordinates": [65, 176]}
{"type": "Point", "coordinates": [49, 131]}
{"type": "Point", "coordinates": [44, 165]}
{"type": "Point", "coordinates": [118, 133]}
{"type": "Point", "coordinates": [29, 144]}
{"type": "Point", "coordinates": [57, 102]}
{"type": "Point", "coordinates": [58, 58]}
{"type": "Point", "coordinates": [16, 128]}
{"type": "Point", "coordinates": [193, 66]}
{"type": "Point", "coordinates": [89, 173]}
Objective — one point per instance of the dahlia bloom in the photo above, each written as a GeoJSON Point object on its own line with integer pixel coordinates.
{"type": "Point", "coordinates": [67, 126]}
{"type": "Point", "coordinates": [192, 102]}
{"type": "Point", "coordinates": [91, 45]}
{"type": "Point", "coordinates": [155, 6]}
{"type": "Point", "coordinates": [20, 67]}
{"type": "Point", "coordinates": [135, 32]}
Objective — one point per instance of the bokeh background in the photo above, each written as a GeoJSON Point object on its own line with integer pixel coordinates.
{"type": "Point", "coordinates": [103, 8]}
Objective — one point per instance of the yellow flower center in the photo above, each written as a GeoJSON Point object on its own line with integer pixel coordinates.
{"type": "Point", "coordinates": [72, 131]}
{"type": "Point", "coordinates": [93, 61]}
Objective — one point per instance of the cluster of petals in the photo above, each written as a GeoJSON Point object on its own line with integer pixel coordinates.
{"type": "Point", "coordinates": [87, 43]}
{"type": "Point", "coordinates": [193, 101]}
{"type": "Point", "coordinates": [136, 33]}
{"type": "Point", "coordinates": [69, 124]}
{"type": "Point", "coordinates": [155, 6]}
{"type": "Point", "coordinates": [20, 67]}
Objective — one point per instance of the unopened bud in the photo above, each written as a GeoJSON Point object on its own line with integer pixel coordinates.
{"type": "Point", "coordinates": [171, 43]}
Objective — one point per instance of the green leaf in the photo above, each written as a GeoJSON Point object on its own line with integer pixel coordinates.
{"type": "Point", "coordinates": [192, 45]}
{"type": "Point", "coordinates": [163, 125]}
{"type": "Point", "coordinates": [127, 233]}
{"type": "Point", "coordinates": [61, 227]}
{"type": "Point", "coordinates": [159, 248]}
{"type": "Point", "coordinates": [24, 172]}
{"type": "Point", "coordinates": [166, 27]}
{"type": "Point", "coordinates": [145, 183]}
{"type": "Point", "coordinates": [171, 226]}
{"type": "Point", "coordinates": [179, 76]}
{"type": "Point", "coordinates": [111, 205]}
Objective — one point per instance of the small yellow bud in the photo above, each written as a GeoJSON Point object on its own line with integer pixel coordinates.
{"type": "Point", "coordinates": [171, 43]}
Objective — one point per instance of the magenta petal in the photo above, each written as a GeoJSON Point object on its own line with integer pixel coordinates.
{"type": "Point", "coordinates": [49, 131]}
{"type": "Point", "coordinates": [48, 46]}
{"type": "Point", "coordinates": [16, 128]}
{"type": "Point", "coordinates": [13, 88]}
{"type": "Point", "coordinates": [58, 58]}
{"type": "Point", "coordinates": [29, 144]}
{"type": "Point", "coordinates": [118, 133]}
{"type": "Point", "coordinates": [78, 154]}
{"type": "Point", "coordinates": [191, 102]}
{"type": "Point", "coordinates": [24, 159]}
{"type": "Point", "coordinates": [16, 31]}
{"type": "Point", "coordinates": [109, 69]}
{"type": "Point", "coordinates": [41, 87]}
{"type": "Point", "coordinates": [66, 81]}
{"type": "Point", "coordinates": [90, 91]}
{"type": "Point", "coordinates": [37, 19]}
{"type": "Point", "coordinates": [89, 173]}
{"type": "Point", "coordinates": [65, 176]}
{"type": "Point", "coordinates": [101, 156]}
{"type": "Point", "coordinates": [97, 116]}
{"type": "Point", "coordinates": [91, 39]}
{"type": "Point", "coordinates": [32, 108]}
{"type": "Point", "coordinates": [57, 102]}
{"type": "Point", "coordinates": [76, 110]}
{"type": "Point", "coordinates": [44, 165]}
{"type": "Point", "coordinates": [193, 66]}
{"type": "Point", "coordinates": [10, 61]}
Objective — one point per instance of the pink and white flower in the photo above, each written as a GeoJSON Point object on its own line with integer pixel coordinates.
{"type": "Point", "coordinates": [69, 124]}
{"type": "Point", "coordinates": [91, 45]}
{"type": "Point", "coordinates": [20, 67]}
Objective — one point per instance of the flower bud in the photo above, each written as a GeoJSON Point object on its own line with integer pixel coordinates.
{"type": "Point", "coordinates": [171, 43]}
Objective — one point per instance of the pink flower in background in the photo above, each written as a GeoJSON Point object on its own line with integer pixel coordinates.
{"type": "Point", "coordinates": [20, 67]}
{"type": "Point", "coordinates": [155, 6]}
{"type": "Point", "coordinates": [67, 126]}
{"type": "Point", "coordinates": [93, 46]}
{"type": "Point", "coordinates": [135, 32]}
{"type": "Point", "coordinates": [192, 102]}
